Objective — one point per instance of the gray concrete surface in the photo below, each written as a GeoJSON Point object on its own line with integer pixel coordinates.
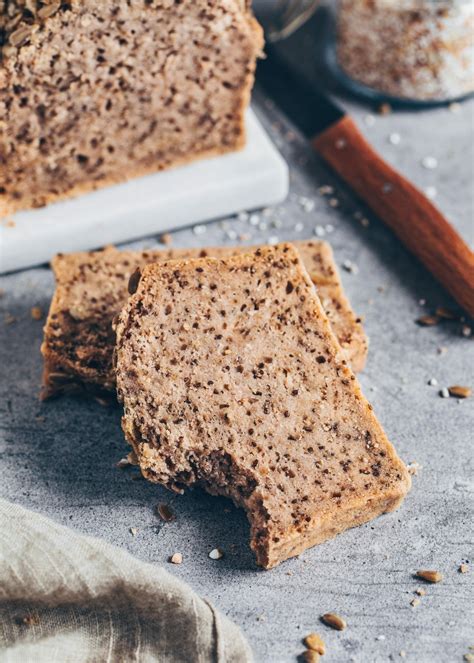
{"type": "Point", "coordinates": [59, 457]}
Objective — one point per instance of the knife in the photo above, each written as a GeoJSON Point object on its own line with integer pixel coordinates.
{"type": "Point", "coordinates": [398, 203]}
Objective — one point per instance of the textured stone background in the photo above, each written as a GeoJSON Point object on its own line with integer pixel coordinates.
{"type": "Point", "coordinates": [59, 458]}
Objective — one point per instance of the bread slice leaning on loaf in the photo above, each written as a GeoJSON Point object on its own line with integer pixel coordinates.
{"type": "Point", "coordinates": [91, 288]}
{"type": "Point", "coordinates": [97, 92]}
{"type": "Point", "coordinates": [231, 379]}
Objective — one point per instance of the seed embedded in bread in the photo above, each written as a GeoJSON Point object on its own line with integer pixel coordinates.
{"type": "Point", "coordinates": [91, 288]}
{"type": "Point", "coordinates": [242, 404]}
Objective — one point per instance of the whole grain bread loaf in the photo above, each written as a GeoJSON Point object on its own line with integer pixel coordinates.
{"type": "Point", "coordinates": [91, 288]}
{"type": "Point", "coordinates": [94, 93]}
{"type": "Point", "coordinates": [232, 379]}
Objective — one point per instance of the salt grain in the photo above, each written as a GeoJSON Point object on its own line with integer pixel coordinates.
{"type": "Point", "coordinates": [433, 382]}
{"type": "Point", "coordinates": [254, 219]}
{"type": "Point", "coordinates": [430, 163]}
{"type": "Point", "coordinates": [199, 230]}
{"type": "Point", "coordinates": [298, 227]}
{"type": "Point", "coordinates": [243, 216]}
{"type": "Point", "coordinates": [394, 139]}
{"type": "Point", "coordinates": [329, 228]}
{"type": "Point", "coordinates": [262, 226]}
{"type": "Point", "coordinates": [273, 240]}
{"type": "Point", "coordinates": [444, 393]}
{"type": "Point", "coordinates": [431, 192]}
{"type": "Point", "coordinates": [351, 267]}
{"type": "Point", "coordinates": [369, 120]}
{"type": "Point", "coordinates": [319, 231]}
{"type": "Point", "coordinates": [216, 553]}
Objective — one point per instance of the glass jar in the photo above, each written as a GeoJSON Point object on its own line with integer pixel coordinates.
{"type": "Point", "coordinates": [420, 51]}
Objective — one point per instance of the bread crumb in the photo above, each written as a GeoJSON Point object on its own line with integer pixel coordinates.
{"type": "Point", "coordinates": [133, 531]}
{"type": "Point", "coordinates": [176, 558]}
{"type": "Point", "coordinates": [36, 313]}
{"type": "Point", "coordinates": [314, 642]}
{"type": "Point", "coordinates": [430, 576]}
{"type": "Point", "coordinates": [166, 239]}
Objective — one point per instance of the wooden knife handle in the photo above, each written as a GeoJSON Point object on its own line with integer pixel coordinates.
{"type": "Point", "coordinates": [405, 209]}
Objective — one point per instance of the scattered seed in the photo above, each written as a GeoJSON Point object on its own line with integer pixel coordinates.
{"type": "Point", "coordinates": [444, 393]}
{"type": "Point", "coordinates": [384, 109]}
{"type": "Point", "coordinates": [446, 313]}
{"type": "Point", "coordinates": [133, 531]}
{"type": "Point", "coordinates": [165, 512]}
{"type": "Point", "coordinates": [433, 382]}
{"type": "Point", "coordinates": [430, 163]}
{"type": "Point", "coordinates": [430, 576]}
{"type": "Point", "coordinates": [414, 602]}
{"type": "Point", "coordinates": [166, 239]}
{"type": "Point", "coordinates": [420, 591]}
{"type": "Point", "coordinates": [36, 313]}
{"type": "Point", "coordinates": [216, 553]}
{"type": "Point", "coordinates": [428, 320]}
{"type": "Point", "coordinates": [326, 190]}
{"type": "Point", "coordinates": [469, 658]}
{"type": "Point", "coordinates": [334, 621]}
{"type": "Point", "coordinates": [314, 642]}
{"type": "Point", "coordinates": [394, 139]}
{"type": "Point", "coordinates": [380, 637]}
{"type": "Point", "coordinates": [464, 568]}
{"type": "Point", "coordinates": [310, 656]}
{"type": "Point", "coordinates": [176, 558]}
{"type": "Point", "coordinates": [459, 392]}
{"type": "Point", "coordinates": [402, 653]}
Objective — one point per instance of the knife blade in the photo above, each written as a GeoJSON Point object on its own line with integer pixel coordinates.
{"type": "Point", "coordinates": [398, 203]}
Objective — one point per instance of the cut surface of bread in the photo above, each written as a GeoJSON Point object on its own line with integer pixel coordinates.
{"type": "Point", "coordinates": [231, 379]}
{"type": "Point", "coordinates": [94, 93]}
{"type": "Point", "coordinates": [91, 288]}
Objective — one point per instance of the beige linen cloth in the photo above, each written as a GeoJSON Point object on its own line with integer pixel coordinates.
{"type": "Point", "coordinates": [67, 598]}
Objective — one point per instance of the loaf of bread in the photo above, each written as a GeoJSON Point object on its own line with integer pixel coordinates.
{"type": "Point", "coordinates": [93, 93]}
{"type": "Point", "coordinates": [91, 288]}
{"type": "Point", "coordinates": [231, 379]}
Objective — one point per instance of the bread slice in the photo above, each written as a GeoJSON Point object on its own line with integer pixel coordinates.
{"type": "Point", "coordinates": [231, 379]}
{"type": "Point", "coordinates": [91, 288]}
{"type": "Point", "coordinates": [97, 92]}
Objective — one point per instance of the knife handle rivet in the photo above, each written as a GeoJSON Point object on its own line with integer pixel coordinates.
{"type": "Point", "coordinates": [340, 143]}
{"type": "Point", "coordinates": [387, 187]}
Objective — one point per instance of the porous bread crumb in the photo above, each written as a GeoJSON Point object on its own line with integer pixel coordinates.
{"type": "Point", "coordinates": [91, 288]}
{"type": "Point", "coordinates": [96, 93]}
{"type": "Point", "coordinates": [255, 402]}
